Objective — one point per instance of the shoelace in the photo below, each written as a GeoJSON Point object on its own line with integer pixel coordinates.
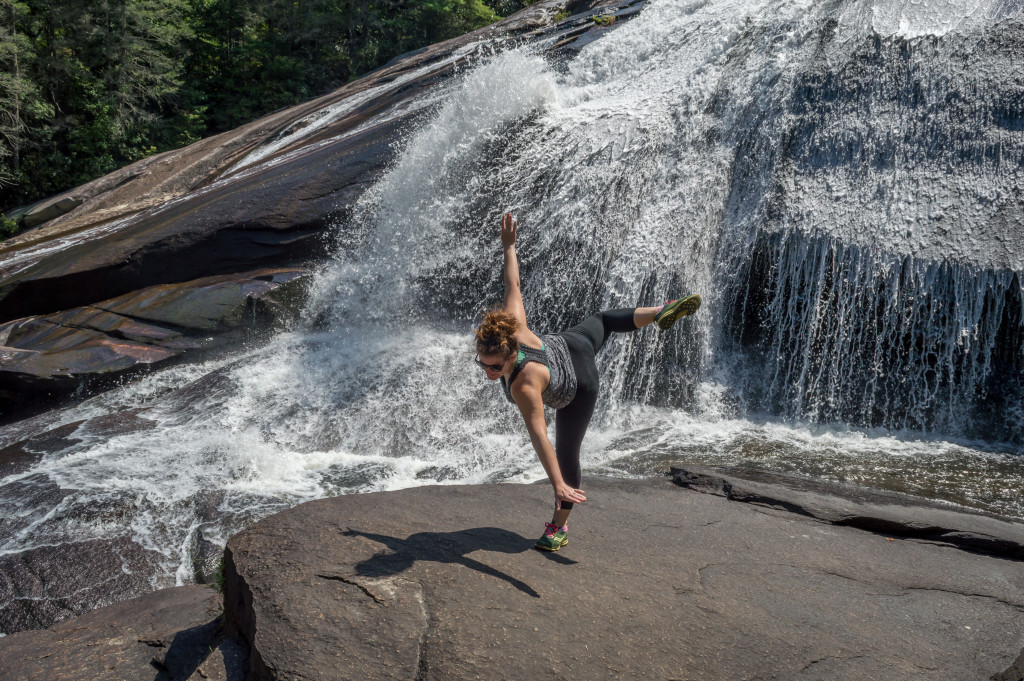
{"type": "Point", "coordinates": [550, 529]}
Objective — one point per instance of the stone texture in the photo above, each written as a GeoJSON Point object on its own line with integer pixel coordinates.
{"type": "Point", "coordinates": [48, 584]}
{"type": "Point", "coordinates": [875, 510]}
{"type": "Point", "coordinates": [53, 355]}
{"type": "Point", "coordinates": [19, 456]}
{"type": "Point", "coordinates": [1014, 673]}
{"type": "Point", "coordinates": [657, 582]}
{"type": "Point", "coordinates": [225, 663]}
{"type": "Point", "coordinates": [169, 635]}
{"type": "Point", "coordinates": [48, 210]}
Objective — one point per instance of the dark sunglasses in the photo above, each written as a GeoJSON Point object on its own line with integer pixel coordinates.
{"type": "Point", "coordinates": [492, 367]}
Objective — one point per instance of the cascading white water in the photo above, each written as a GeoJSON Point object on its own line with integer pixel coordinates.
{"type": "Point", "coordinates": [692, 149]}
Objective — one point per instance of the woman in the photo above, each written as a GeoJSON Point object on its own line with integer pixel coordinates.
{"type": "Point", "coordinates": [557, 370]}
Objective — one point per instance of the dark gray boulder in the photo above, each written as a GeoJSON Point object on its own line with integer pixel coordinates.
{"type": "Point", "coordinates": [657, 582]}
{"type": "Point", "coordinates": [45, 357]}
{"type": "Point", "coordinates": [47, 584]}
{"type": "Point", "coordinates": [169, 635]}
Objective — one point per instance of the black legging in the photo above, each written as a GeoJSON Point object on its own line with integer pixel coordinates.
{"type": "Point", "coordinates": [571, 421]}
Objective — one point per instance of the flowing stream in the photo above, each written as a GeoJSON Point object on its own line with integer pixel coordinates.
{"type": "Point", "coordinates": [838, 180]}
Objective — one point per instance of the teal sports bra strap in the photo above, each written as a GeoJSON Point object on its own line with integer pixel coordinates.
{"type": "Point", "coordinates": [526, 354]}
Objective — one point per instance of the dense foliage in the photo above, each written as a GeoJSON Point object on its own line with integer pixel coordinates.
{"type": "Point", "coordinates": [87, 86]}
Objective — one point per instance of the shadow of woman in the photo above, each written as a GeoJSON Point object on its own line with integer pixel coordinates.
{"type": "Point", "coordinates": [448, 547]}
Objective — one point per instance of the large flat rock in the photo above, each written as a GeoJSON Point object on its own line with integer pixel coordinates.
{"type": "Point", "coordinates": [658, 582]}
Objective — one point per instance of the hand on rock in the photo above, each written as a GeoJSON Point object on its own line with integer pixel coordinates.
{"type": "Point", "coordinates": [564, 492]}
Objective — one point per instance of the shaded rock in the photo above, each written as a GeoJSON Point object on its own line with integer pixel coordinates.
{"type": "Point", "coordinates": [657, 583]}
{"type": "Point", "coordinates": [225, 663]}
{"type": "Point", "coordinates": [874, 510]}
{"type": "Point", "coordinates": [207, 559]}
{"type": "Point", "coordinates": [17, 457]}
{"type": "Point", "coordinates": [164, 636]}
{"type": "Point", "coordinates": [1014, 673]}
{"type": "Point", "coordinates": [48, 584]}
{"type": "Point", "coordinates": [49, 209]}
{"type": "Point", "coordinates": [87, 347]}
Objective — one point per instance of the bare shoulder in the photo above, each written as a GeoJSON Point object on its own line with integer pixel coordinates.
{"type": "Point", "coordinates": [532, 380]}
{"type": "Point", "coordinates": [530, 383]}
{"type": "Point", "coordinates": [529, 338]}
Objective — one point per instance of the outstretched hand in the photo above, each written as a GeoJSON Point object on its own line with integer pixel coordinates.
{"type": "Point", "coordinates": [564, 492]}
{"type": "Point", "coordinates": [508, 230]}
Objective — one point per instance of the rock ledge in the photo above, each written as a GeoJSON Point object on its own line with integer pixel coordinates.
{"type": "Point", "coordinates": [657, 583]}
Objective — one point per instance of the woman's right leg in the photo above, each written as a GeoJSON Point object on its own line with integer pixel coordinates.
{"type": "Point", "coordinates": [595, 329]}
{"type": "Point", "coordinates": [571, 424]}
{"type": "Point", "coordinates": [584, 341]}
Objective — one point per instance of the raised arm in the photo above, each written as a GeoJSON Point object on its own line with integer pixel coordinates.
{"type": "Point", "coordinates": [510, 269]}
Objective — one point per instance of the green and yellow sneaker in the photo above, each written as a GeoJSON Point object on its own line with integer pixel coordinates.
{"type": "Point", "coordinates": [554, 537]}
{"type": "Point", "coordinates": [674, 309]}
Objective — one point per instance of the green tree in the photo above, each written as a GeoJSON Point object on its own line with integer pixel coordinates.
{"type": "Point", "coordinates": [18, 95]}
{"type": "Point", "coordinates": [87, 86]}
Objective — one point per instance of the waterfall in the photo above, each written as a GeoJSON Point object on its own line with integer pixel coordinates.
{"type": "Point", "coordinates": [846, 201]}
{"type": "Point", "coordinates": [840, 181]}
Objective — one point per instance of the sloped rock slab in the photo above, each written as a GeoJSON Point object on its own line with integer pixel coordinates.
{"type": "Point", "coordinates": [657, 583]}
{"type": "Point", "coordinates": [56, 354]}
{"type": "Point", "coordinates": [890, 513]}
{"type": "Point", "coordinates": [169, 635]}
{"type": "Point", "coordinates": [195, 212]}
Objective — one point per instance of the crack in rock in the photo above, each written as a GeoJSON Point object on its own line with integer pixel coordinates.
{"type": "Point", "coordinates": [997, 599]}
{"type": "Point", "coordinates": [347, 580]}
{"type": "Point", "coordinates": [422, 666]}
{"type": "Point", "coordinates": [389, 586]}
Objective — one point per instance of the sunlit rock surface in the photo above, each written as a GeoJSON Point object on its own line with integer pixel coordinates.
{"type": "Point", "coordinates": [656, 582]}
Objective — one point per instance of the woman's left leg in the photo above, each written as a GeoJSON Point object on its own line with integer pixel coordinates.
{"type": "Point", "coordinates": [570, 426]}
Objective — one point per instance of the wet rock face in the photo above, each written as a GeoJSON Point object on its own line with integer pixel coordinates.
{"type": "Point", "coordinates": [18, 456]}
{"type": "Point", "coordinates": [49, 356]}
{"type": "Point", "coordinates": [52, 583]}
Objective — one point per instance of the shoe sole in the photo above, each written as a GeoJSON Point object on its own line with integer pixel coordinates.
{"type": "Point", "coordinates": [544, 548]}
{"type": "Point", "coordinates": [682, 308]}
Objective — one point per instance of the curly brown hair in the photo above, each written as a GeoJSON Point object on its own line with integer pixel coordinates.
{"type": "Point", "coordinates": [496, 335]}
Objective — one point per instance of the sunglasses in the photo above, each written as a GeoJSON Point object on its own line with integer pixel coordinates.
{"type": "Point", "coordinates": [492, 367]}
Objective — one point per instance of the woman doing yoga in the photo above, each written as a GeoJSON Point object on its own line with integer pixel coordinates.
{"type": "Point", "coordinates": [557, 370]}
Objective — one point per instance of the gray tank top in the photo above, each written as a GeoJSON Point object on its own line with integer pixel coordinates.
{"type": "Point", "coordinates": [554, 354]}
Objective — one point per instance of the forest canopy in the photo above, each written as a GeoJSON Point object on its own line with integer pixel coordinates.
{"type": "Point", "coordinates": [88, 86]}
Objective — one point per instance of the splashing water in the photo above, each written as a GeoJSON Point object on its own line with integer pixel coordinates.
{"type": "Point", "coordinates": [861, 283]}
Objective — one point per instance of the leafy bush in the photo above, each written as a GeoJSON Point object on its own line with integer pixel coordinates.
{"type": "Point", "coordinates": [8, 227]}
